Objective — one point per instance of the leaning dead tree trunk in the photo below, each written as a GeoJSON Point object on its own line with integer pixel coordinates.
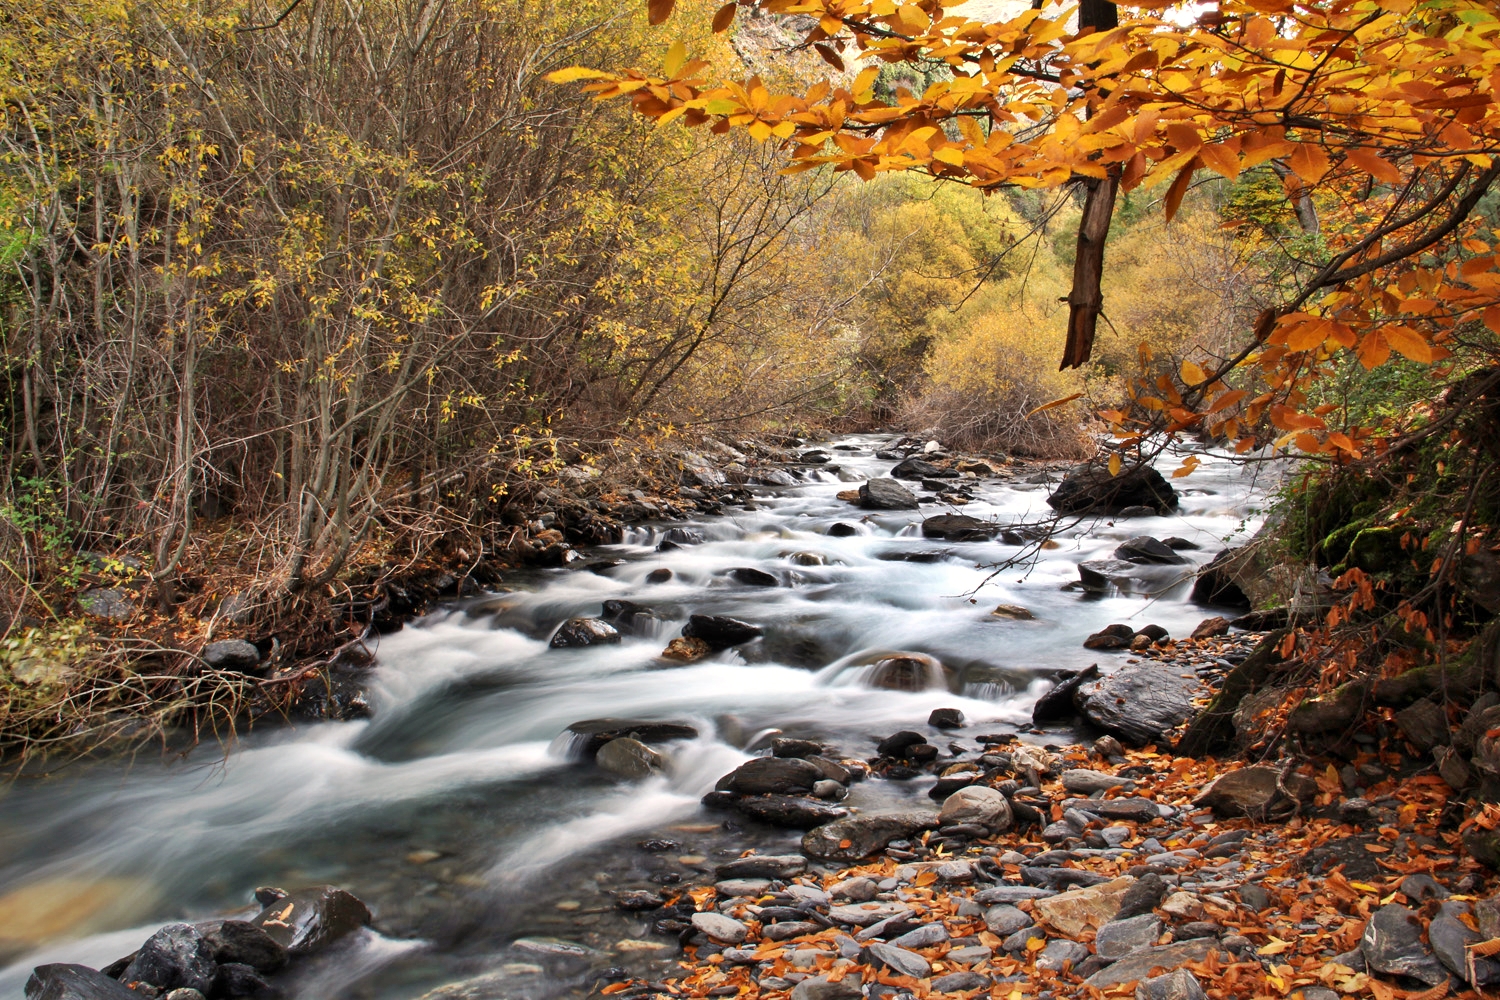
{"type": "Point", "coordinates": [1086, 300]}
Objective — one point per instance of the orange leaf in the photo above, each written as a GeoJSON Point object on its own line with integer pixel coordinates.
{"type": "Point", "coordinates": [1114, 464]}
{"type": "Point", "coordinates": [657, 11]}
{"type": "Point", "coordinates": [1373, 350]}
{"type": "Point", "coordinates": [1372, 164]}
{"type": "Point", "coordinates": [1410, 343]}
{"type": "Point", "coordinates": [1179, 186]}
{"type": "Point", "coordinates": [1055, 404]}
{"type": "Point", "coordinates": [1309, 162]}
{"type": "Point", "coordinates": [925, 878]}
{"type": "Point", "coordinates": [724, 18]}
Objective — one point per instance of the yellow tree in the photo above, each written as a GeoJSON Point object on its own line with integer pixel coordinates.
{"type": "Point", "coordinates": [1380, 116]}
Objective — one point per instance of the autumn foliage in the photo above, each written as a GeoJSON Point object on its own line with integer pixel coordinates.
{"type": "Point", "coordinates": [1379, 118]}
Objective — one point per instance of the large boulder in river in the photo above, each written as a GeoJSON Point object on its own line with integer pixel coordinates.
{"type": "Point", "coordinates": [308, 920]}
{"type": "Point", "coordinates": [959, 528]}
{"type": "Point", "coordinates": [1145, 549]}
{"type": "Point", "coordinates": [584, 632]}
{"type": "Point", "coordinates": [1092, 488]}
{"type": "Point", "coordinates": [1140, 704]}
{"type": "Point", "coordinates": [915, 468]}
{"type": "Point", "coordinates": [588, 736]}
{"type": "Point", "coordinates": [720, 631]}
{"type": "Point", "coordinates": [75, 982]}
{"type": "Point", "coordinates": [886, 494]}
{"type": "Point", "coordinates": [857, 837]}
{"type": "Point", "coordinates": [771, 775]}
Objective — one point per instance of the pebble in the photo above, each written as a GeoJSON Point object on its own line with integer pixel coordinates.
{"type": "Point", "coordinates": [720, 927]}
{"type": "Point", "coordinates": [743, 886]}
{"type": "Point", "coordinates": [1006, 919]}
{"type": "Point", "coordinates": [907, 963]}
{"type": "Point", "coordinates": [1061, 952]}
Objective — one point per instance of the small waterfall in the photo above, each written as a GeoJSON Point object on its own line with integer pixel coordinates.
{"type": "Point", "coordinates": [904, 672]}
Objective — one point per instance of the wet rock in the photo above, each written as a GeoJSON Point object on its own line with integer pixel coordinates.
{"type": "Point", "coordinates": [1058, 705]}
{"type": "Point", "coordinates": [241, 942]}
{"type": "Point", "coordinates": [1248, 791]}
{"type": "Point", "coordinates": [1140, 704]}
{"type": "Point", "coordinates": [1110, 637]}
{"type": "Point", "coordinates": [629, 758]}
{"type": "Point", "coordinates": [589, 735]}
{"type": "Point", "coordinates": [791, 812]}
{"type": "Point", "coordinates": [907, 963]}
{"type": "Point", "coordinates": [720, 631]}
{"type": "Point", "coordinates": [674, 538]}
{"type": "Point", "coordinates": [1451, 939]}
{"type": "Point", "coordinates": [886, 494]}
{"type": "Point", "coordinates": [311, 919]}
{"type": "Point", "coordinates": [1097, 575]}
{"type": "Point", "coordinates": [1140, 964]}
{"type": "Point", "coordinates": [807, 559]}
{"type": "Point", "coordinates": [980, 805]}
{"type": "Point", "coordinates": [816, 456]}
{"type": "Point", "coordinates": [1148, 550]}
{"type": "Point", "coordinates": [1180, 544]}
{"type": "Point", "coordinates": [946, 718]}
{"type": "Point", "coordinates": [895, 745]}
{"type": "Point", "coordinates": [907, 672]}
{"type": "Point", "coordinates": [234, 655]}
{"type": "Point", "coordinates": [720, 928]}
{"type": "Point", "coordinates": [584, 632]}
{"type": "Point", "coordinates": [1014, 612]}
{"type": "Point", "coordinates": [841, 530]}
{"type": "Point", "coordinates": [771, 775]}
{"type": "Point", "coordinates": [637, 900]}
{"type": "Point", "coordinates": [236, 980]}
{"type": "Point", "coordinates": [959, 528]}
{"type": "Point", "coordinates": [659, 575]}
{"type": "Point", "coordinates": [74, 982]}
{"type": "Point", "coordinates": [1219, 581]}
{"type": "Point", "coordinates": [629, 616]}
{"type": "Point", "coordinates": [1074, 911]}
{"type": "Point", "coordinates": [1091, 487]}
{"type": "Point", "coordinates": [1392, 944]}
{"type": "Point", "coordinates": [915, 468]}
{"type": "Point", "coordinates": [686, 650]}
{"type": "Point", "coordinates": [1179, 985]}
{"type": "Point", "coordinates": [1118, 938]}
{"type": "Point", "coordinates": [752, 577]}
{"type": "Point", "coordinates": [777, 866]}
{"type": "Point", "coordinates": [829, 789]}
{"type": "Point", "coordinates": [785, 746]}
{"type": "Point", "coordinates": [176, 955]}
{"type": "Point", "coordinates": [1210, 628]}
{"type": "Point", "coordinates": [186, 994]}
{"type": "Point", "coordinates": [856, 837]}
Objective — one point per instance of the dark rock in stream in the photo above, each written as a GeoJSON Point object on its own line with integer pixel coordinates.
{"type": "Point", "coordinates": [75, 982]}
{"type": "Point", "coordinates": [771, 775]}
{"type": "Point", "coordinates": [788, 811]}
{"type": "Point", "coordinates": [720, 631]}
{"type": "Point", "coordinates": [1145, 549]}
{"type": "Point", "coordinates": [307, 920]}
{"type": "Point", "coordinates": [841, 530]}
{"type": "Point", "coordinates": [629, 616]}
{"type": "Point", "coordinates": [946, 718]}
{"type": "Point", "coordinates": [1110, 637]}
{"type": "Point", "coordinates": [241, 942]}
{"type": "Point", "coordinates": [915, 468]}
{"type": "Point", "coordinates": [856, 837]}
{"type": "Point", "coordinates": [1392, 943]}
{"type": "Point", "coordinates": [1092, 488]}
{"type": "Point", "coordinates": [959, 528]}
{"type": "Point", "coordinates": [886, 494]}
{"type": "Point", "coordinates": [584, 632]}
{"type": "Point", "coordinates": [1058, 704]}
{"type": "Point", "coordinates": [236, 980]}
{"type": "Point", "coordinates": [752, 577]}
{"type": "Point", "coordinates": [588, 736]}
{"type": "Point", "coordinates": [175, 956]}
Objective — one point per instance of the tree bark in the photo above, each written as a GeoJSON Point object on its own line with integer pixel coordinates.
{"type": "Point", "coordinates": [1086, 300]}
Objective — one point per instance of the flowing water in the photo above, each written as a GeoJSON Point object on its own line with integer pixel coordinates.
{"type": "Point", "coordinates": [455, 811]}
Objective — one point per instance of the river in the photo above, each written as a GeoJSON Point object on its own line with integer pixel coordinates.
{"type": "Point", "coordinates": [456, 815]}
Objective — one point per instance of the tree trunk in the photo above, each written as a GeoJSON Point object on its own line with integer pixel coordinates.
{"type": "Point", "coordinates": [1086, 300]}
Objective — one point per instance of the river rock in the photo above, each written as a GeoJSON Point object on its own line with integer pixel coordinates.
{"type": "Point", "coordinates": [589, 735]}
{"type": "Point", "coordinates": [752, 577]}
{"type": "Point", "coordinates": [841, 530]}
{"type": "Point", "coordinates": [1074, 911]}
{"type": "Point", "coordinates": [777, 866]}
{"type": "Point", "coordinates": [787, 746]}
{"type": "Point", "coordinates": [906, 672]}
{"type": "Point", "coordinates": [771, 775]}
{"type": "Point", "coordinates": [232, 654]}
{"type": "Point", "coordinates": [176, 955]}
{"type": "Point", "coordinates": [792, 812]}
{"type": "Point", "coordinates": [241, 942]}
{"type": "Point", "coordinates": [1451, 938]}
{"type": "Point", "coordinates": [308, 920]}
{"type": "Point", "coordinates": [1060, 954]}
{"type": "Point", "coordinates": [1247, 791]}
{"type": "Point", "coordinates": [1211, 628]}
{"type": "Point", "coordinates": [1110, 637]}
{"type": "Point", "coordinates": [584, 632]}
{"type": "Point", "coordinates": [75, 982]}
{"type": "Point", "coordinates": [978, 804]}
{"type": "Point", "coordinates": [907, 963]}
{"type": "Point", "coordinates": [629, 616]}
{"type": "Point", "coordinates": [886, 494]}
{"type": "Point", "coordinates": [1145, 549]}
{"type": "Point", "coordinates": [629, 758]}
{"type": "Point", "coordinates": [959, 528]}
{"type": "Point", "coordinates": [1097, 575]}
{"type": "Point", "coordinates": [637, 900]}
{"type": "Point", "coordinates": [1180, 985]}
{"type": "Point", "coordinates": [239, 980]}
{"type": "Point", "coordinates": [1140, 704]}
{"type": "Point", "coordinates": [1083, 781]}
{"type": "Point", "coordinates": [819, 988]}
{"type": "Point", "coordinates": [867, 915]}
{"type": "Point", "coordinates": [1005, 919]}
{"type": "Point", "coordinates": [856, 837]}
{"type": "Point", "coordinates": [1118, 938]}
{"type": "Point", "coordinates": [895, 745]}
{"type": "Point", "coordinates": [1014, 612]}
{"type": "Point", "coordinates": [915, 468]}
{"type": "Point", "coordinates": [924, 936]}
{"type": "Point", "coordinates": [946, 718]}
{"type": "Point", "coordinates": [686, 650]}
{"type": "Point", "coordinates": [1140, 964]}
{"type": "Point", "coordinates": [720, 631]}
{"type": "Point", "coordinates": [1392, 944]}
{"type": "Point", "coordinates": [1059, 704]}
{"type": "Point", "coordinates": [1092, 488]}
{"type": "Point", "coordinates": [1011, 894]}
{"type": "Point", "coordinates": [720, 928]}
{"type": "Point", "coordinates": [960, 982]}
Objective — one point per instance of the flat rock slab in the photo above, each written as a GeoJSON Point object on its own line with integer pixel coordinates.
{"type": "Point", "coordinates": [866, 914]}
{"type": "Point", "coordinates": [860, 836]}
{"type": "Point", "coordinates": [886, 494]}
{"type": "Point", "coordinates": [1075, 911]}
{"type": "Point", "coordinates": [1142, 963]}
{"type": "Point", "coordinates": [1141, 703]}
